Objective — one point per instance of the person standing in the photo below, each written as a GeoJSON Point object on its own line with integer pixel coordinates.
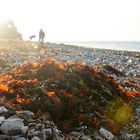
{"type": "Point", "coordinates": [41, 36]}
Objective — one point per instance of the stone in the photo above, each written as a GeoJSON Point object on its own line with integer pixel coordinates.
{"type": "Point", "coordinates": [48, 131]}
{"type": "Point", "coordinates": [57, 137]}
{"type": "Point", "coordinates": [28, 113]}
{"type": "Point", "coordinates": [129, 136]}
{"type": "Point", "coordinates": [3, 109]}
{"type": "Point", "coordinates": [75, 134]}
{"type": "Point", "coordinates": [24, 130]}
{"type": "Point", "coordinates": [106, 134]}
{"type": "Point", "coordinates": [12, 126]}
{"type": "Point", "coordinates": [129, 61]}
{"type": "Point", "coordinates": [2, 118]}
{"type": "Point", "coordinates": [35, 138]}
{"type": "Point", "coordinates": [97, 136]}
{"type": "Point", "coordinates": [20, 138]}
{"type": "Point", "coordinates": [86, 137]}
{"type": "Point", "coordinates": [137, 110]}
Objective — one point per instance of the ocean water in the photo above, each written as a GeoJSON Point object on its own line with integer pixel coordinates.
{"type": "Point", "coordinates": [128, 46]}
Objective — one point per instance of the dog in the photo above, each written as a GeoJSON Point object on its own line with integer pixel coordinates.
{"type": "Point", "coordinates": [33, 36]}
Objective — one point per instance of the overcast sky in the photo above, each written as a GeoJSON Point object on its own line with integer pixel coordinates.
{"type": "Point", "coordinates": [75, 20]}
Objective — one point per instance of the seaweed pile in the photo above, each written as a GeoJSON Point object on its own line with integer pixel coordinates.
{"type": "Point", "coordinates": [71, 94]}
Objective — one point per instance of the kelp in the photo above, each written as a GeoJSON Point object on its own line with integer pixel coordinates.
{"type": "Point", "coordinates": [71, 94]}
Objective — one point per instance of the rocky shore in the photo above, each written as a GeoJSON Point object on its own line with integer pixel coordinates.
{"type": "Point", "coordinates": [23, 68]}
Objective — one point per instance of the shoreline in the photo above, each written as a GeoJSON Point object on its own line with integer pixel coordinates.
{"type": "Point", "coordinates": [135, 53]}
{"type": "Point", "coordinates": [110, 45]}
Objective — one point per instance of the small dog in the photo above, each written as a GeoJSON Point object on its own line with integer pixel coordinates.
{"type": "Point", "coordinates": [31, 37]}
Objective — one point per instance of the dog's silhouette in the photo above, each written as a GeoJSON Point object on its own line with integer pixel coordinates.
{"type": "Point", "coordinates": [31, 37]}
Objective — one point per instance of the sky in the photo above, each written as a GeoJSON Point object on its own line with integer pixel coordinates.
{"type": "Point", "coordinates": [75, 20]}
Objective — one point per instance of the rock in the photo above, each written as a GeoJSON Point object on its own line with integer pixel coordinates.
{"type": "Point", "coordinates": [24, 130]}
{"type": "Point", "coordinates": [75, 134]}
{"type": "Point", "coordinates": [137, 110]}
{"type": "Point", "coordinates": [57, 137]}
{"type": "Point", "coordinates": [129, 136]}
{"type": "Point", "coordinates": [2, 118]}
{"type": "Point", "coordinates": [57, 131]}
{"type": "Point", "coordinates": [52, 133]}
{"type": "Point", "coordinates": [28, 113]}
{"type": "Point", "coordinates": [35, 138]}
{"type": "Point", "coordinates": [48, 131]}
{"type": "Point", "coordinates": [3, 109]}
{"type": "Point", "coordinates": [86, 137]}
{"type": "Point", "coordinates": [20, 138]}
{"type": "Point", "coordinates": [129, 61]}
{"type": "Point", "coordinates": [97, 136]}
{"type": "Point", "coordinates": [12, 126]}
{"type": "Point", "coordinates": [106, 134]}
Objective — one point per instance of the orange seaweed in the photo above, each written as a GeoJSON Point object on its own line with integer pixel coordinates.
{"type": "Point", "coordinates": [132, 93]}
{"type": "Point", "coordinates": [4, 87]}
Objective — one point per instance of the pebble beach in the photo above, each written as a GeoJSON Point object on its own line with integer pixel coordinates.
{"type": "Point", "coordinates": [123, 66]}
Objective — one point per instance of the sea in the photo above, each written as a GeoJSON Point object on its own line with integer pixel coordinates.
{"type": "Point", "coordinates": [113, 45]}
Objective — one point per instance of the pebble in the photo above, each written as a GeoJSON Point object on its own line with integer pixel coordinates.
{"type": "Point", "coordinates": [12, 126]}
{"type": "Point", "coordinates": [129, 61]}
{"type": "Point", "coordinates": [2, 119]}
{"type": "Point", "coordinates": [28, 113]}
{"type": "Point", "coordinates": [24, 130]}
{"type": "Point", "coordinates": [75, 134]}
{"type": "Point", "coordinates": [106, 134]}
{"type": "Point", "coordinates": [35, 138]}
{"type": "Point", "coordinates": [3, 109]}
{"type": "Point", "coordinates": [86, 137]}
{"type": "Point", "coordinates": [129, 137]}
{"type": "Point", "coordinates": [20, 138]}
{"type": "Point", "coordinates": [97, 136]}
{"type": "Point", "coordinates": [57, 137]}
{"type": "Point", "coordinates": [137, 110]}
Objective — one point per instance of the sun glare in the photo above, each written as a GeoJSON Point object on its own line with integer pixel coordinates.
{"type": "Point", "coordinates": [75, 20]}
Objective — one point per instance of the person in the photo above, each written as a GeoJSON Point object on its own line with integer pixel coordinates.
{"type": "Point", "coordinates": [41, 36]}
